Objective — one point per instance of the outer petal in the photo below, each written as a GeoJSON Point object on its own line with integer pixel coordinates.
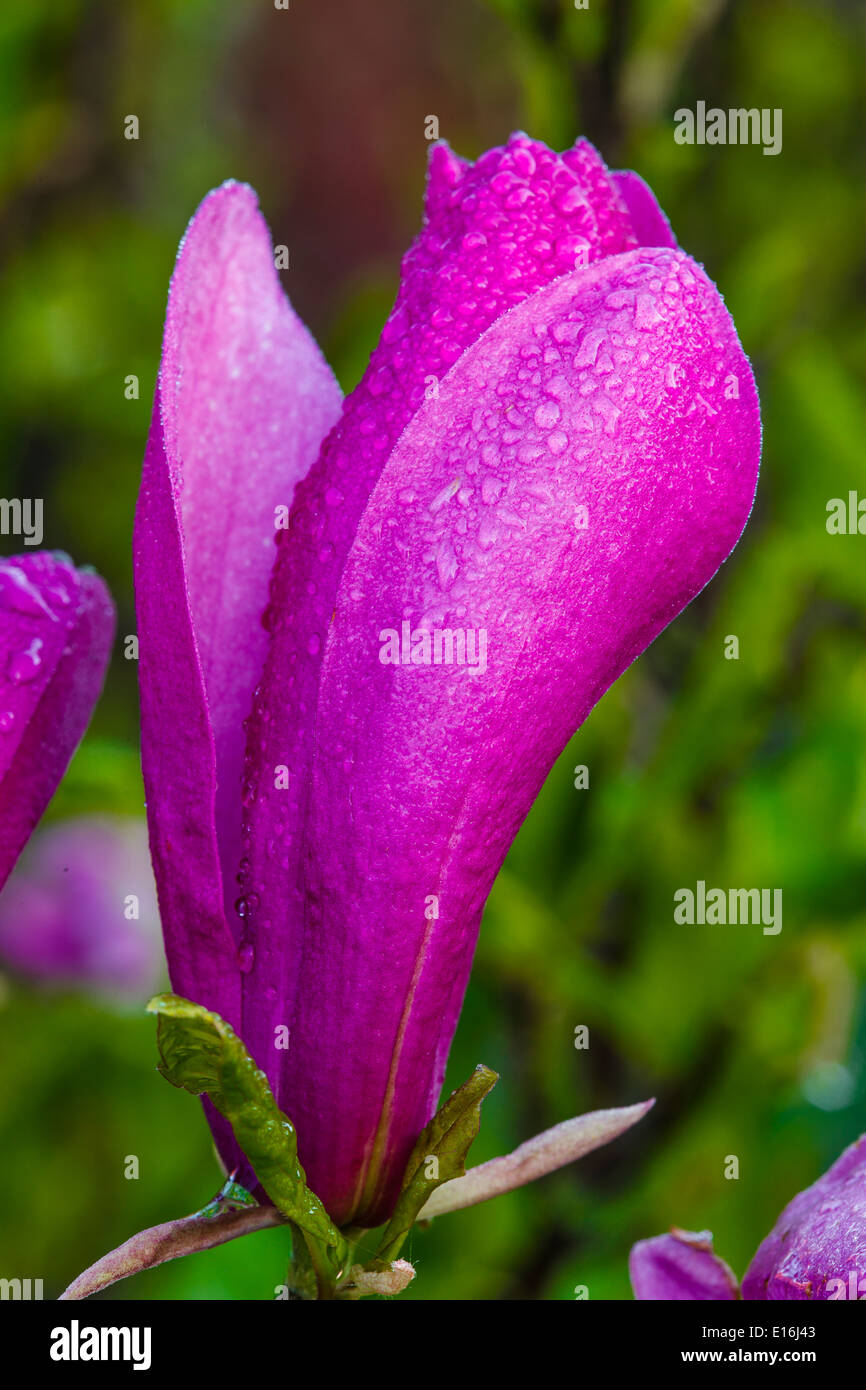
{"type": "Point", "coordinates": [56, 630]}
{"type": "Point", "coordinates": [650, 225]}
{"type": "Point", "coordinates": [817, 1248]}
{"type": "Point", "coordinates": [495, 232]}
{"type": "Point", "coordinates": [680, 1266]}
{"type": "Point", "coordinates": [243, 401]}
{"type": "Point", "coordinates": [583, 472]}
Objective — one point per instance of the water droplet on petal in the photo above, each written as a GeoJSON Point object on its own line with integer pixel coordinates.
{"type": "Point", "coordinates": [646, 315]}
{"type": "Point", "coordinates": [24, 666]}
{"type": "Point", "coordinates": [557, 442]}
{"type": "Point", "coordinates": [547, 415]}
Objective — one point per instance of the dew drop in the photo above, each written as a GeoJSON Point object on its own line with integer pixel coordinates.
{"type": "Point", "coordinates": [557, 442]}
{"type": "Point", "coordinates": [547, 415]}
{"type": "Point", "coordinates": [490, 490]}
{"type": "Point", "coordinates": [646, 315]}
{"type": "Point", "coordinates": [445, 495]}
{"type": "Point", "coordinates": [571, 199]}
{"type": "Point", "coordinates": [25, 665]}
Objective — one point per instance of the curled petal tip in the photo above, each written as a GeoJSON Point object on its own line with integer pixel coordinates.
{"type": "Point", "coordinates": [680, 1266]}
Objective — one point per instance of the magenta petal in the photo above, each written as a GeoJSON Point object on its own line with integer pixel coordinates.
{"type": "Point", "coordinates": [680, 1266]}
{"type": "Point", "coordinates": [244, 398]}
{"type": "Point", "coordinates": [817, 1248]}
{"type": "Point", "coordinates": [242, 403]}
{"type": "Point", "coordinates": [584, 470]}
{"type": "Point", "coordinates": [651, 227]}
{"type": "Point", "coordinates": [56, 630]}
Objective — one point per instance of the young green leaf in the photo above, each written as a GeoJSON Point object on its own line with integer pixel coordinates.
{"type": "Point", "coordinates": [438, 1156]}
{"type": "Point", "coordinates": [201, 1053]}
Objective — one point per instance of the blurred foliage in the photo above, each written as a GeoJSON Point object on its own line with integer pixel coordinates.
{"type": "Point", "coordinates": [747, 772]}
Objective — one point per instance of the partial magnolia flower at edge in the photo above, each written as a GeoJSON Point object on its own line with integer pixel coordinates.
{"type": "Point", "coordinates": [819, 1241]}
{"type": "Point", "coordinates": [56, 631]}
{"type": "Point", "coordinates": [79, 910]}
{"type": "Point", "coordinates": [816, 1250]}
{"type": "Point", "coordinates": [587, 461]}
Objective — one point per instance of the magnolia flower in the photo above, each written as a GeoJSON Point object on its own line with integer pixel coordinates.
{"type": "Point", "coordinates": [80, 908]}
{"type": "Point", "coordinates": [554, 447]}
{"type": "Point", "coordinates": [816, 1250]}
{"type": "Point", "coordinates": [56, 630]}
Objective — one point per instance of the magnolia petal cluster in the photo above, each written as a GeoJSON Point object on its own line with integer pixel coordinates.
{"type": "Point", "coordinates": [553, 449]}
{"type": "Point", "coordinates": [56, 630]}
{"type": "Point", "coordinates": [816, 1250]}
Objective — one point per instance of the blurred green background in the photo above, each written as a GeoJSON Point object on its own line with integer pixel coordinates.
{"type": "Point", "coordinates": [741, 773]}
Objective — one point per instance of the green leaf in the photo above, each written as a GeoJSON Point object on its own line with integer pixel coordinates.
{"type": "Point", "coordinates": [446, 1139]}
{"type": "Point", "coordinates": [202, 1053]}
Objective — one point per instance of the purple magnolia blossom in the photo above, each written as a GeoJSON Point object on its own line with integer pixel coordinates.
{"type": "Point", "coordinates": [80, 909]}
{"type": "Point", "coordinates": [554, 447]}
{"type": "Point", "coordinates": [56, 630]}
{"type": "Point", "coordinates": [816, 1250]}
